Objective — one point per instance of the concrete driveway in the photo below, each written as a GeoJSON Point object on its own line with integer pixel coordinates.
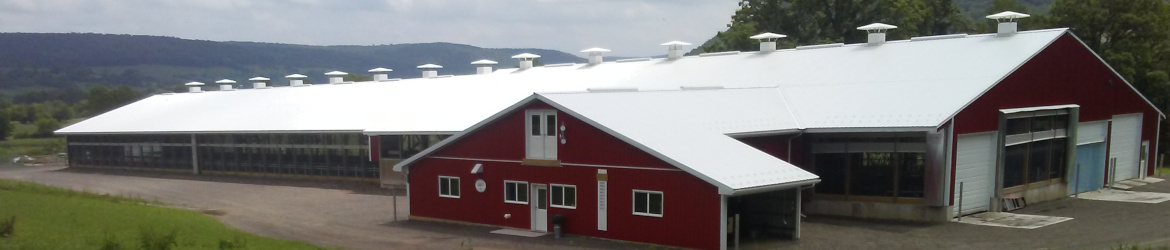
{"type": "Point", "coordinates": [359, 216]}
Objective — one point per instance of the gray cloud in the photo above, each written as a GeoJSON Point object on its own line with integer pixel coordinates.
{"type": "Point", "coordinates": [629, 28]}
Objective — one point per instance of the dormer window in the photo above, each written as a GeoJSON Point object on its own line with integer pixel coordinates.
{"type": "Point", "coordinates": [542, 134]}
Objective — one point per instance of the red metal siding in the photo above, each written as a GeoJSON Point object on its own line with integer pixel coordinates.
{"type": "Point", "coordinates": [689, 203]}
{"type": "Point", "coordinates": [1064, 73]}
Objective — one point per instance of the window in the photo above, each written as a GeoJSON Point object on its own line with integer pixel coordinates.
{"type": "Point", "coordinates": [564, 196]}
{"type": "Point", "coordinates": [1035, 152]}
{"type": "Point", "coordinates": [516, 192]}
{"type": "Point", "coordinates": [648, 203]}
{"type": "Point", "coordinates": [873, 165]}
{"type": "Point", "coordinates": [448, 187]}
{"type": "Point", "coordinates": [542, 134]}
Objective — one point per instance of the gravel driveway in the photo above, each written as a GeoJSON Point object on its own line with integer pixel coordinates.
{"type": "Point", "coordinates": [360, 216]}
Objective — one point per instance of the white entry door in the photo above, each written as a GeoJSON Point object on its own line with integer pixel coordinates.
{"type": "Point", "coordinates": [975, 169]}
{"type": "Point", "coordinates": [539, 207]}
{"type": "Point", "coordinates": [1124, 143]}
{"type": "Point", "coordinates": [542, 134]}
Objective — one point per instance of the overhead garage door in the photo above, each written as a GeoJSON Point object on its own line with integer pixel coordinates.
{"type": "Point", "coordinates": [1089, 170]}
{"type": "Point", "coordinates": [1123, 144]}
{"type": "Point", "coordinates": [975, 169]}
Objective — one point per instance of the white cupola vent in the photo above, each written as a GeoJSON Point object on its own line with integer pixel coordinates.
{"type": "Point", "coordinates": [430, 70]}
{"type": "Point", "coordinates": [595, 55]}
{"type": "Point", "coordinates": [526, 60]}
{"type": "Point", "coordinates": [381, 74]}
{"type": "Point", "coordinates": [674, 49]}
{"type": "Point", "coordinates": [296, 80]}
{"type": "Point", "coordinates": [767, 41]}
{"type": "Point", "coordinates": [1007, 21]}
{"type": "Point", "coordinates": [225, 84]}
{"type": "Point", "coordinates": [336, 77]}
{"type": "Point", "coordinates": [483, 66]}
{"type": "Point", "coordinates": [194, 87]}
{"type": "Point", "coordinates": [259, 82]}
{"type": "Point", "coordinates": [877, 32]}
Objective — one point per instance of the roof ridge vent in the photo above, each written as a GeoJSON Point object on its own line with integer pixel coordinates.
{"type": "Point", "coordinates": [820, 46]}
{"type": "Point", "coordinates": [483, 66]}
{"type": "Point", "coordinates": [225, 84]}
{"type": "Point", "coordinates": [674, 49]}
{"type": "Point", "coordinates": [1007, 22]}
{"type": "Point", "coordinates": [336, 77]}
{"type": "Point", "coordinates": [259, 82]}
{"type": "Point", "coordinates": [938, 37]}
{"type": "Point", "coordinates": [559, 65]}
{"type": "Point", "coordinates": [719, 53]}
{"type": "Point", "coordinates": [430, 70]}
{"type": "Point", "coordinates": [877, 32]}
{"type": "Point", "coordinates": [767, 41]}
{"type": "Point", "coordinates": [595, 55]}
{"type": "Point", "coordinates": [296, 80]}
{"type": "Point", "coordinates": [526, 60]}
{"type": "Point", "coordinates": [609, 90]}
{"type": "Point", "coordinates": [194, 87]}
{"type": "Point", "coordinates": [380, 74]}
{"type": "Point", "coordinates": [633, 60]}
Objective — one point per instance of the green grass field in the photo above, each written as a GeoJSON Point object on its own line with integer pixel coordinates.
{"type": "Point", "coordinates": [55, 218]}
{"type": "Point", "coordinates": [31, 146]}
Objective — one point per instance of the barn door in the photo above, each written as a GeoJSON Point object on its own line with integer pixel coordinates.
{"type": "Point", "coordinates": [542, 134]}
{"type": "Point", "coordinates": [1124, 145]}
{"type": "Point", "coordinates": [975, 168]}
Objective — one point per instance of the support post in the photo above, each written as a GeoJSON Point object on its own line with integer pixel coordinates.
{"type": "Point", "coordinates": [796, 234]}
{"type": "Point", "coordinates": [1112, 172]}
{"type": "Point", "coordinates": [194, 155]}
{"type": "Point", "coordinates": [737, 231]}
{"type": "Point", "coordinates": [1076, 180]}
{"type": "Point", "coordinates": [395, 191]}
{"type": "Point", "coordinates": [961, 201]}
{"type": "Point", "coordinates": [1158, 169]}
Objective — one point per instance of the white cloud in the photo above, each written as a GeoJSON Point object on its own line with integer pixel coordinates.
{"type": "Point", "coordinates": [628, 27]}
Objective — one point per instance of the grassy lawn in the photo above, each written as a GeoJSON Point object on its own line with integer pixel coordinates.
{"type": "Point", "coordinates": [31, 146]}
{"type": "Point", "coordinates": [55, 218]}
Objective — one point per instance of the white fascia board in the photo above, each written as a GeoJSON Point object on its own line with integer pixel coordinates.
{"type": "Point", "coordinates": [765, 133]}
{"type": "Point", "coordinates": [212, 132]}
{"type": "Point", "coordinates": [1030, 109]}
{"type": "Point", "coordinates": [775, 187]}
{"type": "Point", "coordinates": [723, 188]}
{"type": "Point", "coordinates": [868, 130]}
{"type": "Point", "coordinates": [406, 163]}
{"type": "Point", "coordinates": [376, 133]}
{"type": "Point", "coordinates": [1004, 76]}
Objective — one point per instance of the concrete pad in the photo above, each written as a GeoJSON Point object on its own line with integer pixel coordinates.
{"type": "Point", "coordinates": [515, 232]}
{"type": "Point", "coordinates": [1024, 221]}
{"type": "Point", "coordinates": [1149, 180]}
{"type": "Point", "coordinates": [1125, 196]}
{"type": "Point", "coordinates": [1132, 183]}
{"type": "Point", "coordinates": [1120, 185]}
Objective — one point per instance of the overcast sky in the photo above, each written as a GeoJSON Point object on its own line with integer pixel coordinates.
{"type": "Point", "coordinates": [628, 27]}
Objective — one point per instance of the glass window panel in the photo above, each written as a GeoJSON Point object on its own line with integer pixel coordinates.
{"type": "Point", "coordinates": [1041, 123]}
{"type": "Point", "coordinates": [872, 174]}
{"type": "Point", "coordinates": [656, 203]}
{"type": "Point", "coordinates": [1060, 122]}
{"type": "Point", "coordinates": [551, 123]}
{"type": "Point", "coordinates": [570, 196]}
{"type": "Point", "coordinates": [542, 198]}
{"type": "Point", "coordinates": [1018, 126]}
{"type": "Point", "coordinates": [558, 195]}
{"type": "Point", "coordinates": [640, 200]}
{"type": "Point", "coordinates": [522, 194]}
{"type": "Point", "coordinates": [912, 175]}
{"type": "Point", "coordinates": [832, 169]}
{"type": "Point", "coordinates": [1059, 157]}
{"type": "Point", "coordinates": [455, 187]}
{"type": "Point", "coordinates": [510, 192]}
{"type": "Point", "coordinates": [1038, 161]}
{"type": "Point", "coordinates": [535, 125]}
{"type": "Point", "coordinates": [1014, 165]}
{"type": "Point", "coordinates": [444, 186]}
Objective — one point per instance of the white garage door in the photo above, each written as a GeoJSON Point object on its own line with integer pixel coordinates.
{"type": "Point", "coordinates": [1124, 140]}
{"type": "Point", "coordinates": [975, 168]}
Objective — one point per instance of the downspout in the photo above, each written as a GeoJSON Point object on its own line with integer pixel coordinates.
{"type": "Point", "coordinates": [790, 145]}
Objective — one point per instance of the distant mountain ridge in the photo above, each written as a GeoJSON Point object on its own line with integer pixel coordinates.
{"type": "Point", "coordinates": [166, 61]}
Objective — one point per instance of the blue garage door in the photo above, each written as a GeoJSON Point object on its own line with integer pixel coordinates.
{"type": "Point", "coordinates": [1090, 172]}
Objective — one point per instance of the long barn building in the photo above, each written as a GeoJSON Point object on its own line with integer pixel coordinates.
{"type": "Point", "coordinates": [883, 129]}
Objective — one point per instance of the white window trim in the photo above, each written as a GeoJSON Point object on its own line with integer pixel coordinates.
{"type": "Point", "coordinates": [634, 202]}
{"type": "Point", "coordinates": [552, 202]}
{"type": "Point", "coordinates": [526, 187]}
{"type": "Point", "coordinates": [460, 185]}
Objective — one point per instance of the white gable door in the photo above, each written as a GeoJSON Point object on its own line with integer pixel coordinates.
{"type": "Point", "coordinates": [1123, 145]}
{"type": "Point", "coordinates": [975, 167]}
{"type": "Point", "coordinates": [541, 134]}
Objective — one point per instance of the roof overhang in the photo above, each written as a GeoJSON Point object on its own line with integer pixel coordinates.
{"type": "Point", "coordinates": [213, 132]}
{"type": "Point", "coordinates": [869, 130]}
{"type": "Point", "coordinates": [770, 188]}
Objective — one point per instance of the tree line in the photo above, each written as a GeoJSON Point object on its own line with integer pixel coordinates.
{"type": "Point", "coordinates": [1130, 35]}
{"type": "Point", "coordinates": [49, 115]}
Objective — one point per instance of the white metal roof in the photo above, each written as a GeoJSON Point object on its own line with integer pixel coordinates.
{"type": "Point", "coordinates": [898, 84]}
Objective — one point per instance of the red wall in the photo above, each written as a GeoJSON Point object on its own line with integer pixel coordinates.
{"type": "Point", "coordinates": [1064, 73]}
{"type": "Point", "coordinates": [689, 203]}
